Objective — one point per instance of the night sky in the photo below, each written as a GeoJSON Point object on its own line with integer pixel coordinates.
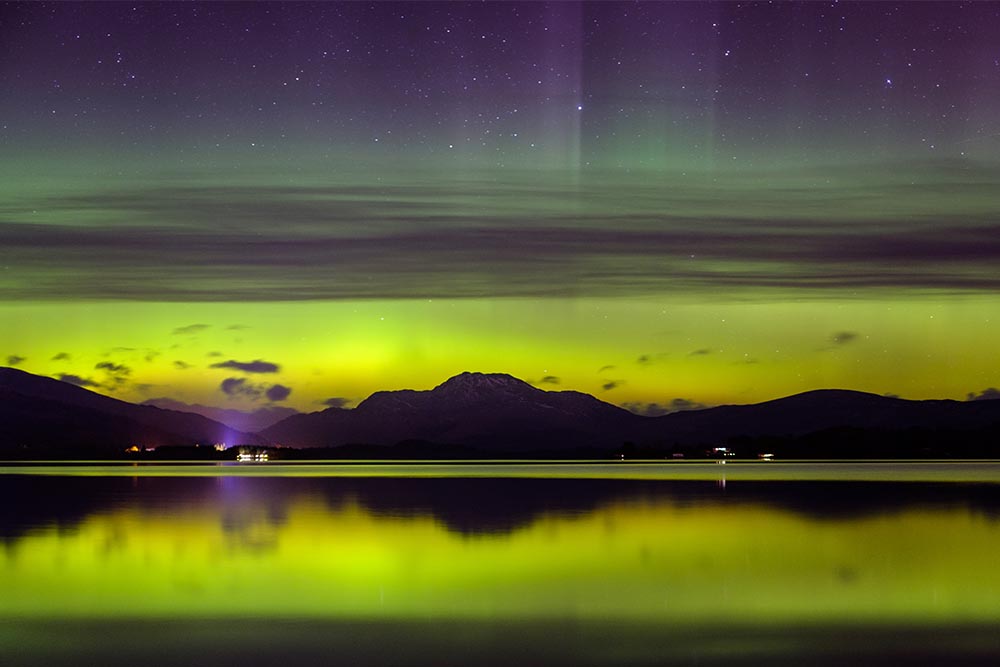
{"type": "Point", "coordinates": [665, 205]}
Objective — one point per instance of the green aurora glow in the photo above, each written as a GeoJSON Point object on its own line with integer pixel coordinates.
{"type": "Point", "coordinates": [686, 220]}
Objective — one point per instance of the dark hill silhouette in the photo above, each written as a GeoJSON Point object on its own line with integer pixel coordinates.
{"type": "Point", "coordinates": [823, 409]}
{"type": "Point", "coordinates": [39, 411]}
{"type": "Point", "coordinates": [501, 413]}
{"type": "Point", "coordinates": [490, 411]}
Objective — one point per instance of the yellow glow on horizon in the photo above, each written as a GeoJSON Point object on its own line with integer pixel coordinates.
{"type": "Point", "coordinates": [646, 349]}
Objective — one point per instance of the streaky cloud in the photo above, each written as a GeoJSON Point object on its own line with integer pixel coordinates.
{"type": "Point", "coordinates": [659, 409]}
{"type": "Point", "coordinates": [77, 380]}
{"type": "Point", "coordinates": [924, 229]}
{"type": "Point", "coordinates": [113, 368]}
{"type": "Point", "coordinates": [190, 329]}
{"type": "Point", "coordinates": [844, 337]}
{"type": "Point", "coordinates": [255, 366]}
{"type": "Point", "coordinates": [336, 402]}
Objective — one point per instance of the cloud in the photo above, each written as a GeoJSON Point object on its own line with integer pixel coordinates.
{"type": "Point", "coordinates": [649, 359]}
{"type": "Point", "coordinates": [700, 352]}
{"type": "Point", "coordinates": [62, 356]}
{"type": "Point", "coordinates": [990, 394]}
{"type": "Point", "coordinates": [116, 374]}
{"type": "Point", "coordinates": [241, 387]}
{"type": "Point", "coordinates": [181, 365]}
{"type": "Point", "coordinates": [646, 409]}
{"type": "Point", "coordinates": [15, 359]}
{"type": "Point", "coordinates": [612, 384]}
{"type": "Point", "coordinates": [337, 402]}
{"type": "Point", "coordinates": [113, 368]}
{"type": "Point", "coordinates": [277, 392]}
{"type": "Point", "coordinates": [605, 368]}
{"type": "Point", "coordinates": [190, 329]}
{"type": "Point", "coordinates": [659, 409]}
{"type": "Point", "coordinates": [681, 404]}
{"type": "Point", "coordinates": [234, 387]}
{"type": "Point", "coordinates": [237, 327]}
{"type": "Point", "coordinates": [255, 366]}
{"type": "Point", "coordinates": [214, 353]}
{"type": "Point", "coordinates": [148, 354]}
{"type": "Point", "coordinates": [77, 380]}
{"type": "Point", "coordinates": [926, 229]}
{"type": "Point", "coordinates": [550, 379]}
{"type": "Point", "coordinates": [843, 337]}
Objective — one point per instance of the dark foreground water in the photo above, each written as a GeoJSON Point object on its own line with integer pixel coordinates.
{"type": "Point", "coordinates": [765, 563]}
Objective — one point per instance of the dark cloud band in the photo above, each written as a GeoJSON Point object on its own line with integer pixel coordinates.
{"type": "Point", "coordinates": [255, 366]}
{"type": "Point", "coordinates": [408, 242]}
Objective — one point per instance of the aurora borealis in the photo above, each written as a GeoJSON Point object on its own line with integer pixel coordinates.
{"type": "Point", "coordinates": [674, 204]}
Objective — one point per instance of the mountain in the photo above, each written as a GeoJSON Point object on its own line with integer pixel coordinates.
{"type": "Point", "coordinates": [248, 422]}
{"type": "Point", "coordinates": [38, 411]}
{"type": "Point", "coordinates": [501, 413]}
{"type": "Point", "coordinates": [821, 409]}
{"type": "Point", "coordinates": [484, 410]}
{"type": "Point", "coordinates": [496, 413]}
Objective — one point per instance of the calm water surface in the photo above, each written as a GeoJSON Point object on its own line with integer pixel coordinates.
{"type": "Point", "coordinates": [471, 564]}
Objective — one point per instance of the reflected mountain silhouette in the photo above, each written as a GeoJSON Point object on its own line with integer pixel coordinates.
{"type": "Point", "coordinates": [250, 508]}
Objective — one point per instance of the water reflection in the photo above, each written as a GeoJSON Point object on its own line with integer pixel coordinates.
{"type": "Point", "coordinates": [501, 549]}
{"type": "Point", "coordinates": [463, 505]}
{"type": "Point", "coordinates": [257, 571]}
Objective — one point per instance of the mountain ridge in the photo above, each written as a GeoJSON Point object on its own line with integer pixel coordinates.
{"type": "Point", "coordinates": [240, 420]}
{"type": "Point", "coordinates": [84, 411]}
{"type": "Point", "coordinates": [496, 412]}
{"type": "Point", "coordinates": [488, 410]}
{"type": "Point", "coordinates": [512, 414]}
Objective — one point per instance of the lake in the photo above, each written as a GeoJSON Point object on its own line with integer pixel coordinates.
{"type": "Point", "coordinates": [483, 564]}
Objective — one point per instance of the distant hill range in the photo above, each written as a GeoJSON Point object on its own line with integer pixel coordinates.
{"type": "Point", "coordinates": [39, 414]}
{"type": "Point", "coordinates": [499, 414]}
{"type": "Point", "coordinates": [247, 422]}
